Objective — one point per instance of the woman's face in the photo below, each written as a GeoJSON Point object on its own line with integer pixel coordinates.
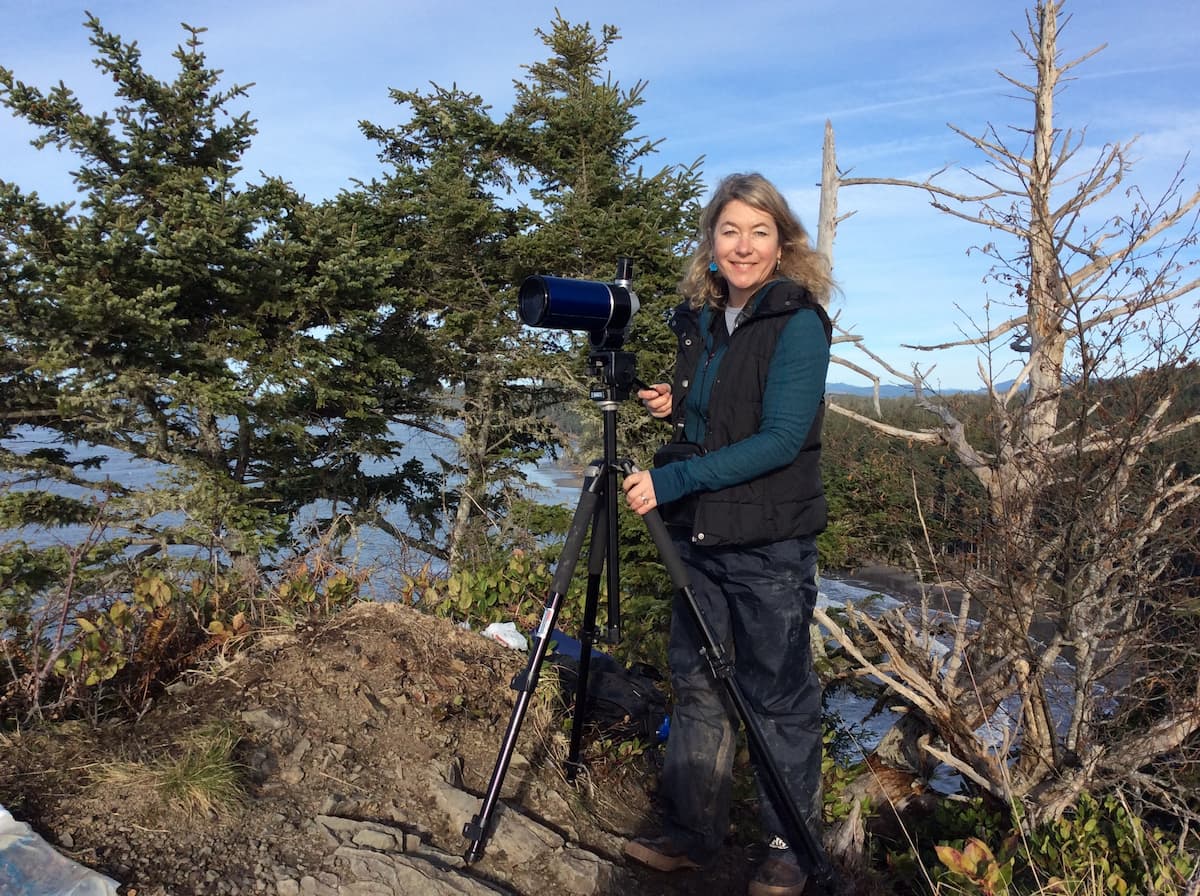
{"type": "Point", "coordinates": [745, 248]}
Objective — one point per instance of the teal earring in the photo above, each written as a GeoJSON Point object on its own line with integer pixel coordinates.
{"type": "Point", "coordinates": [712, 266]}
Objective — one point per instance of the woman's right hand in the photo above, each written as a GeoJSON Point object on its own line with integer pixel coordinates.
{"type": "Point", "coordinates": [657, 399]}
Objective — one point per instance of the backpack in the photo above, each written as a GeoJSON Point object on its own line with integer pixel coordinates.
{"type": "Point", "coordinates": [621, 703]}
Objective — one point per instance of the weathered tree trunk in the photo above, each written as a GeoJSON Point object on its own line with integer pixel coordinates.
{"type": "Point", "coordinates": [1073, 562]}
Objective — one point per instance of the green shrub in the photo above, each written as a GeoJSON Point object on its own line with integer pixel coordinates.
{"type": "Point", "coordinates": [510, 589]}
{"type": "Point", "coordinates": [1102, 841]}
{"type": "Point", "coordinates": [1098, 849]}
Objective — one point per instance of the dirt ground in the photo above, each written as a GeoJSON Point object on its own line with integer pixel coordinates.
{"type": "Point", "coordinates": [342, 719]}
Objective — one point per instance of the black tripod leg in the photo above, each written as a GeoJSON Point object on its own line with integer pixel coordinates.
{"type": "Point", "coordinates": [477, 829]}
{"type": "Point", "coordinates": [604, 556]}
{"type": "Point", "coordinates": [798, 831]}
{"type": "Point", "coordinates": [588, 631]}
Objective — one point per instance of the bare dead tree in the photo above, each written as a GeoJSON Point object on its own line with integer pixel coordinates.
{"type": "Point", "coordinates": [1068, 602]}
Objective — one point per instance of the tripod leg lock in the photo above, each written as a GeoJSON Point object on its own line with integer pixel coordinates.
{"type": "Point", "coordinates": [472, 830]}
{"type": "Point", "coordinates": [524, 681]}
{"type": "Point", "coordinates": [718, 661]}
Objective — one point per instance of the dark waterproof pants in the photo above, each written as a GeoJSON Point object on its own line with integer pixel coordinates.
{"type": "Point", "coordinates": [759, 601]}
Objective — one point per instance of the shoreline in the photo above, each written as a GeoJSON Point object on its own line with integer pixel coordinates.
{"type": "Point", "coordinates": [896, 582]}
{"type": "Point", "coordinates": [886, 579]}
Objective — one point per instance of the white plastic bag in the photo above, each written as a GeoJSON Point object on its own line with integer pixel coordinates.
{"type": "Point", "coordinates": [29, 865]}
{"type": "Point", "coordinates": [507, 634]}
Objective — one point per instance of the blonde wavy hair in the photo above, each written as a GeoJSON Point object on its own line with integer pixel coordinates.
{"type": "Point", "coordinates": [799, 261]}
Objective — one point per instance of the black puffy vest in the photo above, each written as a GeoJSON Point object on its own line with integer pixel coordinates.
{"type": "Point", "coordinates": [785, 503]}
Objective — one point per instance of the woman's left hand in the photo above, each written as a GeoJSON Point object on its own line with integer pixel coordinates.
{"type": "Point", "coordinates": [639, 492]}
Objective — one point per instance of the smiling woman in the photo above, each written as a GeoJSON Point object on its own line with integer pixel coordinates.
{"type": "Point", "coordinates": [753, 351]}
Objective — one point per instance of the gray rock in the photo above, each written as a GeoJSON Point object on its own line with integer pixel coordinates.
{"type": "Point", "coordinates": [342, 828]}
{"type": "Point", "coordinates": [292, 775]}
{"type": "Point", "coordinates": [297, 754]}
{"type": "Point", "coordinates": [518, 838]}
{"type": "Point", "coordinates": [380, 841]}
{"type": "Point", "coordinates": [367, 834]}
{"type": "Point", "coordinates": [583, 873]}
{"type": "Point", "coordinates": [264, 719]}
{"type": "Point", "coordinates": [405, 874]}
{"type": "Point", "coordinates": [327, 885]}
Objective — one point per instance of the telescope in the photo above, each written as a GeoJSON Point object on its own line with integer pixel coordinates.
{"type": "Point", "coordinates": [603, 310]}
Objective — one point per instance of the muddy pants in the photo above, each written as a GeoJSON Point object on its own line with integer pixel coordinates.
{"type": "Point", "coordinates": [759, 602]}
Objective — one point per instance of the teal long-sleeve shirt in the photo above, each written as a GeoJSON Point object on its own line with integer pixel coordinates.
{"type": "Point", "coordinates": [794, 389]}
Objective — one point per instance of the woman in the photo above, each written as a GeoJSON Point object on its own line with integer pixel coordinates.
{"type": "Point", "coordinates": [745, 509]}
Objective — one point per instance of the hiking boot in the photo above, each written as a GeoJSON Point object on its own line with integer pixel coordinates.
{"type": "Point", "coordinates": [660, 853]}
{"type": "Point", "coordinates": [776, 878]}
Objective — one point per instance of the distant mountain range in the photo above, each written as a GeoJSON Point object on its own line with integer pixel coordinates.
{"type": "Point", "coordinates": [885, 391]}
{"type": "Point", "coordinates": [891, 390]}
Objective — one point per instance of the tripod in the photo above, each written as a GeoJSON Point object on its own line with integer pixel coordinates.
{"type": "Point", "coordinates": [616, 370]}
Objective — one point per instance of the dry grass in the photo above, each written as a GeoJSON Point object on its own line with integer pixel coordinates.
{"type": "Point", "coordinates": [198, 776]}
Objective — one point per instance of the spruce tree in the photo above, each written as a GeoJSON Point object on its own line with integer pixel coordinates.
{"type": "Point", "coordinates": [231, 331]}
{"type": "Point", "coordinates": [481, 202]}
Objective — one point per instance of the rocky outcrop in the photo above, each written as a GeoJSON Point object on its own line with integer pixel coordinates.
{"type": "Point", "coordinates": [521, 855]}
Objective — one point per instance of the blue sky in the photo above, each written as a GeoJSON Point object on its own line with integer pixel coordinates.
{"type": "Point", "coordinates": [747, 85]}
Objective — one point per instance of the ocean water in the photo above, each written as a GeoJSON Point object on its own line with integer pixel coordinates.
{"type": "Point", "coordinates": [372, 547]}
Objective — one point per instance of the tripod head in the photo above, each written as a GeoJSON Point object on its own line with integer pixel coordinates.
{"type": "Point", "coordinates": [617, 373]}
